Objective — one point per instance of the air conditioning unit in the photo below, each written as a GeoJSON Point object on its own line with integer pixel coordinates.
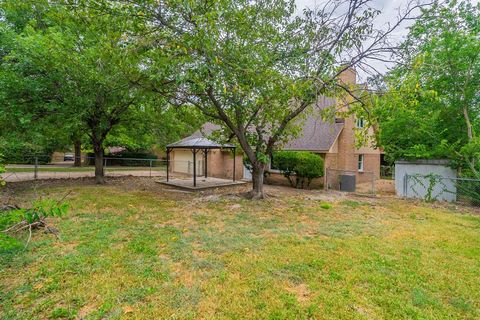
{"type": "Point", "coordinates": [347, 182]}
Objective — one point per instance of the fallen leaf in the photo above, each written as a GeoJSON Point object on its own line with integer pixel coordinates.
{"type": "Point", "coordinates": [127, 309]}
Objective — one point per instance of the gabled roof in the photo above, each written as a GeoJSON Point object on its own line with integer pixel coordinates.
{"type": "Point", "coordinates": [317, 135]}
{"type": "Point", "coordinates": [206, 130]}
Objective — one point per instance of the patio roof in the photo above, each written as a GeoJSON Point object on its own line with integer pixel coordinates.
{"type": "Point", "coordinates": [198, 143]}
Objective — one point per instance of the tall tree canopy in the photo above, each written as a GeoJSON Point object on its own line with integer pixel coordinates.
{"type": "Point", "coordinates": [73, 64]}
{"type": "Point", "coordinates": [434, 92]}
{"type": "Point", "coordinates": [19, 91]}
{"type": "Point", "coordinates": [255, 66]}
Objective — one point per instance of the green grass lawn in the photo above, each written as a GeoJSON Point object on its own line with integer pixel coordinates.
{"type": "Point", "coordinates": [131, 254]}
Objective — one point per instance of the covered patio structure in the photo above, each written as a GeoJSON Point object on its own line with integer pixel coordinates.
{"type": "Point", "coordinates": [203, 146]}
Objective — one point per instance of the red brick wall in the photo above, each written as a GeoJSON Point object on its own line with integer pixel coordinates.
{"type": "Point", "coordinates": [220, 163]}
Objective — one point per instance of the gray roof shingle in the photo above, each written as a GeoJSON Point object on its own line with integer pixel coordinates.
{"type": "Point", "coordinates": [198, 142]}
{"type": "Point", "coordinates": [317, 135]}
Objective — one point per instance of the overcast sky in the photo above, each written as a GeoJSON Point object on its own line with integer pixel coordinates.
{"type": "Point", "coordinates": [389, 13]}
{"type": "Point", "coordinates": [389, 9]}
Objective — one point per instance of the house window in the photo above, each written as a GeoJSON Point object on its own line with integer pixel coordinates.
{"type": "Point", "coordinates": [360, 162]}
{"type": "Point", "coordinates": [360, 123]}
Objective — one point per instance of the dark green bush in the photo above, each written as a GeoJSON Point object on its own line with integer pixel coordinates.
{"type": "Point", "coordinates": [304, 166]}
{"type": "Point", "coordinates": [125, 158]}
{"type": "Point", "coordinates": [25, 153]}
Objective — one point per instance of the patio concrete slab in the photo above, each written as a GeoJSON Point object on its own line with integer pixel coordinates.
{"type": "Point", "coordinates": [202, 183]}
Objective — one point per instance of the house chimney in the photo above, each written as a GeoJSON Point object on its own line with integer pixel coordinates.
{"type": "Point", "coordinates": [349, 76]}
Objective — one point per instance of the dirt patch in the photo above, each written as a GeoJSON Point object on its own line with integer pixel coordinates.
{"type": "Point", "coordinates": [8, 195]}
{"type": "Point", "coordinates": [301, 292]}
{"type": "Point", "coordinates": [86, 310]}
{"type": "Point", "coordinates": [385, 187]}
{"type": "Point", "coordinates": [22, 193]}
{"type": "Point", "coordinates": [66, 247]}
{"type": "Point", "coordinates": [131, 183]}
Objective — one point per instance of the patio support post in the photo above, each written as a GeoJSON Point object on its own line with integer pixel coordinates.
{"type": "Point", "coordinates": [168, 162]}
{"type": "Point", "coordinates": [194, 151]}
{"type": "Point", "coordinates": [205, 162]}
{"type": "Point", "coordinates": [203, 145]}
{"type": "Point", "coordinates": [234, 156]}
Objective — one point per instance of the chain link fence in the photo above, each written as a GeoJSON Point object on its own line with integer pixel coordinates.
{"type": "Point", "coordinates": [41, 167]}
{"type": "Point", "coordinates": [387, 172]}
{"type": "Point", "coordinates": [434, 187]}
{"type": "Point", "coordinates": [44, 167]}
{"type": "Point", "coordinates": [350, 181]}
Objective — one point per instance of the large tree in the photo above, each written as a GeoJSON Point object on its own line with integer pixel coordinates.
{"type": "Point", "coordinates": [434, 91]}
{"type": "Point", "coordinates": [73, 64]}
{"type": "Point", "coordinates": [255, 67]}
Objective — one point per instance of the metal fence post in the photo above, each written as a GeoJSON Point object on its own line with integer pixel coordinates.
{"type": "Point", "coordinates": [326, 180]}
{"type": "Point", "coordinates": [373, 183]}
{"type": "Point", "coordinates": [35, 172]}
{"type": "Point", "coordinates": [150, 168]}
{"type": "Point", "coordinates": [325, 187]}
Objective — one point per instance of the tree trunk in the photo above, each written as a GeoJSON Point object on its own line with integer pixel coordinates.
{"type": "Point", "coordinates": [468, 123]}
{"type": "Point", "coordinates": [257, 180]}
{"type": "Point", "coordinates": [470, 135]}
{"type": "Point", "coordinates": [99, 173]}
{"type": "Point", "coordinates": [78, 153]}
{"type": "Point", "coordinates": [290, 181]}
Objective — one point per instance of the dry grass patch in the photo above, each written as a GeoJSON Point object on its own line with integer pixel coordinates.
{"type": "Point", "coordinates": [144, 253]}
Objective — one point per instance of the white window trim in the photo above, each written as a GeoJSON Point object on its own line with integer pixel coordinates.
{"type": "Point", "coordinates": [361, 163]}
{"type": "Point", "coordinates": [360, 123]}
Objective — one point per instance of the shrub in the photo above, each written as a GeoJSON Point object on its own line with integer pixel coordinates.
{"type": "Point", "coordinates": [25, 153]}
{"type": "Point", "coordinates": [124, 158]}
{"type": "Point", "coordinates": [305, 166]}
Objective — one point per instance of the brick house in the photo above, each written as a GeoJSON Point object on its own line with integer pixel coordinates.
{"type": "Point", "coordinates": [333, 140]}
